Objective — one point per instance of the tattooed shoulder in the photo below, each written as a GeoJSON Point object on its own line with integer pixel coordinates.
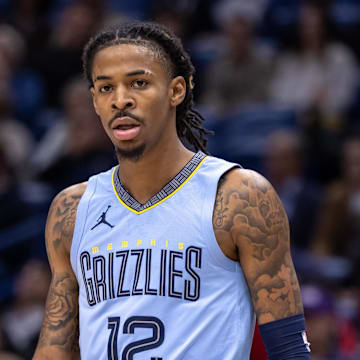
{"type": "Point", "coordinates": [62, 215]}
{"type": "Point", "coordinates": [249, 216]}
{"type": "Point", "coordinates": [220, 208]}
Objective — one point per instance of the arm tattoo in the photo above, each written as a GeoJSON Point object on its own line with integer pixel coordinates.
{"type": "Point", "coordinates": [253, 216]}
{"type": "Point", "coordinates": [219, 209]}
{"type": "Point", "coordinates": [60, 324]}
{"type": "Point", "coordinates": [65, 214]}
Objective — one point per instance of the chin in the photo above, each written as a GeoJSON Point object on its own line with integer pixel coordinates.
{"type": "Point", "coordinates": [133, 154]}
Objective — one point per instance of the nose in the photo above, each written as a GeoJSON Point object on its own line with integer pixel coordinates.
{"type": "Point", "coordinates": [122, 100]}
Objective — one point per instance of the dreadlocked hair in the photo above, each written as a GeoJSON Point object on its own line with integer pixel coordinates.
{"type": "Point", "coordinates": [167, 47]}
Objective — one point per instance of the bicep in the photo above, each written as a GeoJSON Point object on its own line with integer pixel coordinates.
{"type": "Point", "coordinates": [264, 252]}
{"type": "Point", "coordinates": [260, 233]}
{"type": "Point", "coordinates": [59, 333]}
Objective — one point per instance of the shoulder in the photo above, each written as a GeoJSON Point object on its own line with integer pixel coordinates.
{"type": "Point", "coordinates": [67, 199]}
{"type": "Point", "coordinates": [62, 215]}
{"type": "Point", "coordinates": [340, 53]}
{"type": "Point", "coordinates": [243, 184]}
{"type": "Point", "coordinates": [237, 176]}
{"type": "Point", "coordinates": [247, 212]}
{"type": "Point", "coordinates": [72, 192]}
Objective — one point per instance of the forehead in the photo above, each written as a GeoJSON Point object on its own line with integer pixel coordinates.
{"type": "Point", "coordinates": [124, 58]}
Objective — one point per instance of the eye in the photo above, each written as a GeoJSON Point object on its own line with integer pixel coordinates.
{"type": "Point", "coordinates": [139, 83]}
{"type": "Point", "coordinates": [105, 89]}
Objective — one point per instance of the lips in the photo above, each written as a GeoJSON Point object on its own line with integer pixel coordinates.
{"type": "Point", "coordinates": [125, 128]}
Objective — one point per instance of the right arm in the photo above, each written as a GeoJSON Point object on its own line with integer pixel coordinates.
{"type": "Point", "coordinates": [60, 329]}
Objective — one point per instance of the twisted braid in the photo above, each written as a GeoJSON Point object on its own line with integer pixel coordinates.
{"type": "Point", "coordinates": [168, 48]}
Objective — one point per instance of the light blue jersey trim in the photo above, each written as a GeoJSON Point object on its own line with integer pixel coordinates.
{"type": "Point", "coordinates": [209, 205]}
{"type": "Point", "coordinates": [81, 216]}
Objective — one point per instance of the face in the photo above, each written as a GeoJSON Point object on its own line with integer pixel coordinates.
{"type": "Point", "coordinates": [311, 25]}
{"type": "Point", "coordinates": [240, 34]}
{"type": "Point", "coordinates": [135, 99]}
{"type": "Point", "coordinates": [352, 161]}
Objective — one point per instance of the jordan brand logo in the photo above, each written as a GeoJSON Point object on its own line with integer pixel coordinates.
{"type": "Point", "coordinates": [102, 219]}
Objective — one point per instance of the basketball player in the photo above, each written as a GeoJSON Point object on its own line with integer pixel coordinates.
{"type": "Point", "coordinates": [172, 253]}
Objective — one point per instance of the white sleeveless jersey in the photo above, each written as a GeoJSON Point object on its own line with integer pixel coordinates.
{"type": "Point", "coordinates": [153, 282]}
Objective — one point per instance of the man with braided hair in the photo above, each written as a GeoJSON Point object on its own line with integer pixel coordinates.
{"type": "Point", "coordinates": [197, 246]}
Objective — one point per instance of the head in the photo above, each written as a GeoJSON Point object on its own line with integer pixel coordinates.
{"type": "Point", "coordinates": [141, 82]}
{"type": "Point", "coordinates": [351, 161]}
{"type": "Point", "coordinates": [6, 98]}
{"type": "Point", "coordinates": [319, 308]}
{"type": "Point", "coordinates": [12, 46]}
{"type": "Point", "coordinates": [238, 19]}
{"type": "Point", "coordinates": [32, 283]}
{"type": "Point", "coordinates": [85, 131]}
{"type": "Point", "coordinates": [283, 156]}
{"type": "Point", "coordinates": [7, 175]}
{"type": "Point", "coordinates": [172, 17]}
{"type": "Point", "coordinates": [313, 24]}
{"type": "Point", "coordinates": [75, 25]}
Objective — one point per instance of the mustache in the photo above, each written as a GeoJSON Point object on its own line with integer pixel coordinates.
{"type": "Point", "coordinates": [125, 113]}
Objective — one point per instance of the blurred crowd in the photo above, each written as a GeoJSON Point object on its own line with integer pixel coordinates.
{"type": "Point", "coordinates": [277, 80]}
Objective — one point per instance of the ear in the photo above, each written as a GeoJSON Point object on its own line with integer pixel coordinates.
{"type": "Point", "coordinates": [92, 90]}
{"type": "Point", "coordinates": [177, 91]}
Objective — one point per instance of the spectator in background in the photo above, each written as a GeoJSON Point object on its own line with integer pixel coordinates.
{"type": "Point", "coordinates": [77, 143]}
{"type": "Point", "coordinates": [242, 73]}
{"type": "Point", "coordinates": [61, 60]}
{"type": "Point", "coordinates": [12, 208]}
{"type": "Point", "coordinates": [4, 354]}
{"type": "Point", "coordinates": [21, 321]}
{"type": "Point", "coordinates": [319, 310]}
{"type": "Point", "coordinates": [332, 336]}
{"type": "Point", "coordinates": [25, 85]}
{"type": "Point", "coordinates": [338, 230]}
{"type": "Point", "coordinates": [15, 139]}
{"type": "Point", "coordinates": [285, 168]}
{"type": "Point", "coordinates": [170, 16]}
{"type": "Point", "coordinates": [29, 17]}
{"type": "Point", "coordinates": [319, 73]}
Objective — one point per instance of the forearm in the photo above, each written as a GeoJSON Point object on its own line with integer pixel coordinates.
{"type": "Point", "coordinates": [59, 337]}
{"type": "Point", "coordinates": [55, 353]}
{"type": "Point", "coordinates": [60, 330]}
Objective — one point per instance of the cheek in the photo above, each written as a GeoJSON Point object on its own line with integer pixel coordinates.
{"type": "Point", "coordinates": [100, 109]}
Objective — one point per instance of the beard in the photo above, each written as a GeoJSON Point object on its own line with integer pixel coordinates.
{"type": "Point", "coordinates": [133, 154]}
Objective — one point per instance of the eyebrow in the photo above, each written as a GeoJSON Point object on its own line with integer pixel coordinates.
{"type": "Point", "coordinates": [131, 73]}
{"type": "Point", "coordinates": [102, 77]}
{"type": "Point", "coordinates": [138, 72]}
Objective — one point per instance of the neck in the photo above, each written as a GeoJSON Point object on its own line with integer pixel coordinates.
{"type": "Point", "coordinates": [147, 176]}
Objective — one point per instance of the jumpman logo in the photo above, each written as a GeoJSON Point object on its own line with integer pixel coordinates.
{"type": "Point", "coordinates": [102, 219]}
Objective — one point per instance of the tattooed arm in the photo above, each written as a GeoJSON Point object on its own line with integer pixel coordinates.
{"type": "Point", "coordinates": [251, 226]}
{"type": "Point", "coordinates": [60, 330]}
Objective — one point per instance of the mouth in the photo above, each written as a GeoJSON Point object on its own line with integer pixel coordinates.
{"type": "Point", "coordinates": [125, 128]}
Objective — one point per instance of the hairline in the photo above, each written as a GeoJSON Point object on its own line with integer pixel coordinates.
{"type": "Point", "coordinates": [158, 51]}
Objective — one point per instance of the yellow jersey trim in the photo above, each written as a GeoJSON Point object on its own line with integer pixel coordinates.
{"type": "Point", "coordinates": [160, 201]}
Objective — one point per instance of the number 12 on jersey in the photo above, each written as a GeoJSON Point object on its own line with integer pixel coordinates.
{"type": "Point", "coordinates": [133, 322]}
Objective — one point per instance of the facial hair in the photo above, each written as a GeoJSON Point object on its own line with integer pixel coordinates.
{"type": "Point", "coordinates": [132, 155]}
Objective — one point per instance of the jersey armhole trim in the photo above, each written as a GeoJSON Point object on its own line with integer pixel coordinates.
{"type": "Point", "coordinates": [80, 222]}
{"type": "Point", "coordinates": [214, 250]}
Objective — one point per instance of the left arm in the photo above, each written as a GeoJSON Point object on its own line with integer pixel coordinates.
{"type": "Point", "coordinates": [251, 227]}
